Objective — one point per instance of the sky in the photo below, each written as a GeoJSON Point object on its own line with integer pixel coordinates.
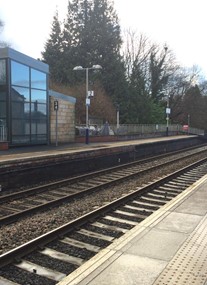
{"type": "Point", "coordinates": [179, 24]}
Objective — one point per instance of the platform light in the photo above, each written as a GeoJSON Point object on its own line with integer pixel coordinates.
{"type": "Point", "coordinates": [95, 67]}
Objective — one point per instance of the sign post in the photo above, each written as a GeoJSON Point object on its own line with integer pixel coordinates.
{"type": "Point", "coordinates": [168, 111]}
{"type": "Point", "coordinates": [56, 121]}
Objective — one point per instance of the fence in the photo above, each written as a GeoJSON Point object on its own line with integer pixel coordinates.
{"type": "Point", "coordinates": [153, 129]}
{"type": "Point", "coordinates": [138, 130]}
{"type": "Point", "coordinates": [3, 133]}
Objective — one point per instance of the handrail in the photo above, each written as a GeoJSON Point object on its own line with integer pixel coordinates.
{"type": "Point", "coordinates": [3, 133]}
{"type": "Point", "coordinates": [137, 129]}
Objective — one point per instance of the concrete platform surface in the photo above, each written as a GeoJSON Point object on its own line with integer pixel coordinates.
{"type": "Point", "coordinates": [168, 248]}
{"type": "Point", "coordinates": [21, 153]}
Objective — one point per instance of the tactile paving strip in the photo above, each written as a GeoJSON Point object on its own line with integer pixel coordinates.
{"type": "Point", "coordinates": [189, 265]}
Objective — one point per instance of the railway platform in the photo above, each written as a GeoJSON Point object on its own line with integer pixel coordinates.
{"type": "Point", "coordinates": [31, 152]}
{"type": "Point", "coordinates": [167, 248]}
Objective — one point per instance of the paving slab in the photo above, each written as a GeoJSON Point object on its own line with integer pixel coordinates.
{"type": "Point", "coordinates": [189, 265]}
{"type": "Point", "coordinates": [158, 244]}
{"type": "Point", "coordinates": [129, 269]}
{"type": "Point", "coordinates": [179, 222]}
{"type": "Point", "coordinates": [171, 243]}
{"type": "Point", "coordinates": [196, 204]}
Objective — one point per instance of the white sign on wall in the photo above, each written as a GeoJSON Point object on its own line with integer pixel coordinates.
{"type": "Point", "coordinates": [168, 110]}
{"type": "Point", "coordinates": [88, 101]}
{"type": "Point", "coordinates": [90, 93]}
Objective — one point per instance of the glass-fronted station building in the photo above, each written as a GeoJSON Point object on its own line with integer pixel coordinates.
{"type": "Point", "coordinates": [24, 99]}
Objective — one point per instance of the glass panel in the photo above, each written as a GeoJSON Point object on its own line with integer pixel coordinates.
{"type": "Point", "coordinates": [20, 94]}
{"type": "Point", "coordinates": [38, 127]}
{"type": "Point", "coordinates": [20, 127]}
{"type": "Point", "coordinates": [28, 106]}
{"type": "Point", "coordinates": [39, 138]}
{"type": "Point", "coordinates": [19, 74]}
{"type": "Point", "coordinates": [20, 110]}
{"type": "Point", "coordinates": [2, 71]}
{"type": "Point", "coordinates": [38, 96]}
{"type": "Point", "coordinates": [38, 79]}
{"type": "Point", "coordinates": [40, 109]}
{"type": "Point", "coordinates": [2, 121]}
{"type": "Point", "coordinates": [27, 109]}
{"type": "Point", "coordinates": [2, 110]}
{"type": "Point", "coordinates": [27, 127]}
{"type": "Point", "coordinates": [20, 139]}
{"type": "Point", "coordinates": [3, 129]}
{"type": "Point", "coordinates": [2, 95]}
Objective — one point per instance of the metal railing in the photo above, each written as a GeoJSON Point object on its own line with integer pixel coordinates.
{"type": "Point", "coordinates": [3, 133]}
{"type": "Point", "coordinates": [134, 129]}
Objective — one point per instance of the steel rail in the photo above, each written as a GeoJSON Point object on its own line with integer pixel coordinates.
{"type": "Point", "coordinates": [13, 217]}
{"type": "Point", "coordinates": [42, 188]}
{"type": "Point", "coordinates": [39, 243]}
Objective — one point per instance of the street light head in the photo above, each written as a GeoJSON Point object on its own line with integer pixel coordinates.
{"type": "Point", "coordinates": [165, 48]}
{"type": "Point", "coordinates": [78, 68]}
{"type": "Point", "coordinates": [97, 66]}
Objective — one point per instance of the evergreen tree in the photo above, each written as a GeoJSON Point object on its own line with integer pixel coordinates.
{"type": "Point", "coordinates": [1, 27]}
{"type": "Point", "coordinates": [3, 43]}
{"type": "Point", "coordinates": [107, 50]}
{"type": "Point", "coordinates": [91, 35]}
{"type": "Point", "coordinates": [138, 94]}
{"type": "Point", "coordinates": [53, 54]}
{"type": "Point", "coordinates": [143, 109]}
{"type": "Point", "coordinates": [193, 107]}
{"type": "Point", "coordinates": [74, 40]}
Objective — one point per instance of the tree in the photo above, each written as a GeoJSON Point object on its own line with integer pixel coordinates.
{"type": "Point", "coordinates": [1, 24]}
{"type": "Point", "coordinates": [148, 74]}
{"type": "Point", "coordinates": [105, 46]}
{"type": "Point", "coordinates": [74, 36]}
{"type": "Point", "coordinates": [95, 110]}
{"type": "Point", "coordinates": [93, 26]}
{"type": "Point", "coordinates": [53, 51]}
{"type": "Point", "coordinates": [3, 43]}
{"type": "Point", "coordinates": [193, 107]}
{"type": "Point", "coordinates": [159, 74]}
{"type": "Point", "coordinates": [139, 81]}
{"type": "Point", "coordinates": [178, 85]}
{"type": "Point", "coordinates": [137, 49]}
{"type": "Point", "coordinates": [90, 35]}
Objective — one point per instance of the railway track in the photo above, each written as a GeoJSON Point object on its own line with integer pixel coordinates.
{"type": "Point", "coordinates": [16, 205]}
{"type": "Point", "coordinates": [50, 257]}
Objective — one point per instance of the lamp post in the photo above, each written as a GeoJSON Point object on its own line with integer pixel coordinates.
{"type": "Point", "coordinates": [188, 124]}
{"type": "Point", "coordinates": [95, 67]}
{"type": "Point", "coordinates": [168, 111]}
{"type": "Point", "coordinates": [117, 117]}
{"type": "Point", "coordinates": [167, 114]}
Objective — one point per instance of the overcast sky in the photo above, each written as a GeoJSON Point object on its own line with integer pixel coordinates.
{"type": "Point", "coordinates": [181, 24]}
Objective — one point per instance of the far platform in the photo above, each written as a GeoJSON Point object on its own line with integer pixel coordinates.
{"type": "Point", "coordinates": [23, 166]}
{"type": "Point", "coordinates": [23, 153]}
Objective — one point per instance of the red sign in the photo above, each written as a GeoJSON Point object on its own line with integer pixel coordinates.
{"type": "Point", "coordinates": [185, 127]}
